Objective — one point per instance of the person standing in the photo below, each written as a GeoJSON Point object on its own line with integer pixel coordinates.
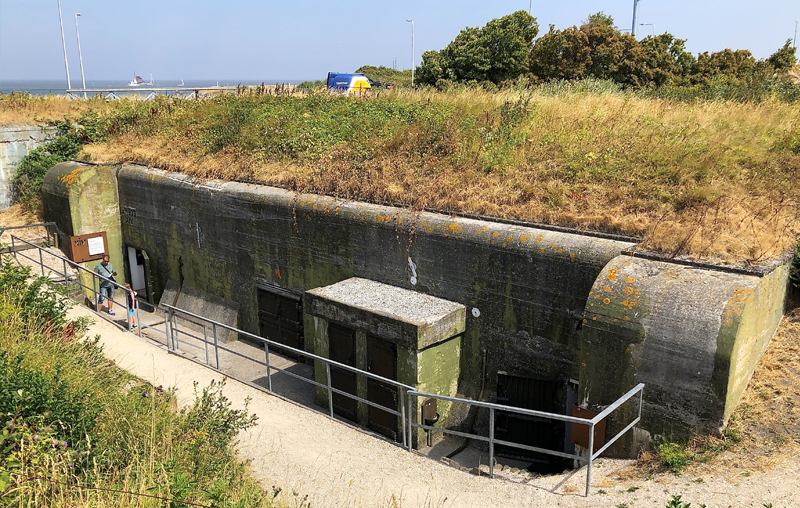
{"type": "Point", "coordinates": [105, 269]}
{"type": "Point", "coordinates": [132, 304]}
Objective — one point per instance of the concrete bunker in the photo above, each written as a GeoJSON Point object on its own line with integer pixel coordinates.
{"type": "Point", "coordinates": [395, 333]}
{"type": "Point", "coordinates": [534, 299]}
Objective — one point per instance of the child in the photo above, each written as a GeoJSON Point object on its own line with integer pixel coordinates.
{"type": "Point", "coordinates": [132, 305]}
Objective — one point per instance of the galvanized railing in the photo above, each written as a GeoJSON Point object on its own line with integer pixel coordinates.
{"type": "Point", "coordinates": [406, 394]}
{"type": "Point", "coordinates": [64, 274]}
{"type": "Point", "coordinates": [492, 441]}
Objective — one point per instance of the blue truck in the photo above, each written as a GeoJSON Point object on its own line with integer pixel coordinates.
{"type": "Point", "coordinates": [346, 83]}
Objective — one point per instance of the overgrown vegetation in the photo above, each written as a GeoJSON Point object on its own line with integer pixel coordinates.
{"type": "Point", "coordinates": [386, 76]}
{"type": "Point", "coordinates": [77, 431]}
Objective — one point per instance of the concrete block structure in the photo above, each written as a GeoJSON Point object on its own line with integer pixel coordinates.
{"type": "Point", "coordinates": [545, 318]}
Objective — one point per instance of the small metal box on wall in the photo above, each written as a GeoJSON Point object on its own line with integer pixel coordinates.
{"type": "Point", "coordinates": [88, 247]}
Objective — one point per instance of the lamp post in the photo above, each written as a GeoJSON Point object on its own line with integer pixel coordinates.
{"type": "Point", "coordinates": [80, 55]}
{"type": "Point", "coordinates": [63, 43]}
{"type": "Point", "coordinates": [633, 25]}
{"type": "Point", "coordinates": [795, 34]}
{"type": "Point", "coordinates": [412, 51]}
{"type": "Point", "coordinates": [650, 24]}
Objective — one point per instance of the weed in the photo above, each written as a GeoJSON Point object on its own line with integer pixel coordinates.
{"type": "Point", "coordinates": [674, 456]}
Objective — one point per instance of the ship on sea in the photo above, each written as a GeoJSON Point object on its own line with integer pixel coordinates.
{"type": "Point", "coordinates": [137, 81]}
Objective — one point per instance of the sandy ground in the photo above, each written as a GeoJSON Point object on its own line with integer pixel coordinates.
{"type": "Point", "coordinates": [340, 466]}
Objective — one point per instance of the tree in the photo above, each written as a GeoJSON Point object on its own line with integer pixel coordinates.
{"type": "Point", "coordinates": [784, 59]}
{"type": "Point", "coordinates": [599, 18]}
{"type": "Point", "coordinates": [497, 52]}
{"type": "Point", "coordinates": [666, 60]}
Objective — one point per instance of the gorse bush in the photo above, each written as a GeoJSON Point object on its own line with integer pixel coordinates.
{"type": "Point", "coordinates": [71, 418]}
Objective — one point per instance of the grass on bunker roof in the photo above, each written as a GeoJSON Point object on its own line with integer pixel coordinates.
{"type": "Point", "coordinates": [718, 181]}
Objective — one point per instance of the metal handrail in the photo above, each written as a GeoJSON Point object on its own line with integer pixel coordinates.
{"type": "Point", "coordinates": [65, 262]}
{"type": "Point", "coordinates": [405, 392]}
{"type": "Point", "coordinates": [492, 407]}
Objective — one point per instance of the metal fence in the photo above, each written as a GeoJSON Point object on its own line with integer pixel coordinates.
{"type": "Point", "coordinates": [65, 276]}
{"type": "Point", "coordinates": [408, 397]}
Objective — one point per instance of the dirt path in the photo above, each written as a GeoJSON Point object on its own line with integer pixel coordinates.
{"type": "Point", "coordinates": [339, 466]}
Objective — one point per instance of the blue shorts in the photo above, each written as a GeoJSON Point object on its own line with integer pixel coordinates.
{"type": "Point", "coordinates": [106, 292]}
{"type": "Point", "coordinates": [131, 312]}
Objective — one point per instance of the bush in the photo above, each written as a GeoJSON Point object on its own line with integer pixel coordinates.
{"type": "Point", "coordinates": [674, 456]}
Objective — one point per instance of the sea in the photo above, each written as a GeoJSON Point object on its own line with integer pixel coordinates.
{"type": "Point", "coordinates": [59, 87]}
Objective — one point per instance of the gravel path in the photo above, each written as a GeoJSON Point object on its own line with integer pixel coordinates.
{"type": "Point", "coordinates": [340, 466]}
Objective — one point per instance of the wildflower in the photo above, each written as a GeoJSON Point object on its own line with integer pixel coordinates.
{"type": "Point", "coordinates": [63, 444]}
{"type": "Point", "coordinates": [35, 437]}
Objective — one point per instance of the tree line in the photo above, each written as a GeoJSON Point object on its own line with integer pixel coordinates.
{"type": "Point", "coordinates": [508, 48]}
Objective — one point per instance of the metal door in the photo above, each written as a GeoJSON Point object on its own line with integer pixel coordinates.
{"type": "Point", "coordinates": [382, 361]}
{"type": "Point", "coordinates": [528, 393]}
{"type": "Point", "coordinates": [280, 318]}
{"type": "Point", "coordinates": [342, 349]}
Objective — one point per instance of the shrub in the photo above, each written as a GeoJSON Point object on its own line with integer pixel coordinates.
{"type": "Point", "coordinates": [674, 456]}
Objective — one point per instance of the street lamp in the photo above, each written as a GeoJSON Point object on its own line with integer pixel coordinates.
{"type": "Point", "coordinates": [63, 43]}
{"type": "Point", "coordinates": [80, 55]}
{"type": "Point", "coordinates": [633, 25]}
{"type": "Point", "coordinates": [795, 34]}
{"type": "Point", "coordinates": [650, 24]}
{"type": "Point", "coordinates": [412, 51]}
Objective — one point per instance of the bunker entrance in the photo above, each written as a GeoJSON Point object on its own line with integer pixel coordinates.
{"type": "Point", "coordinates": [280, 318]}
{"type": "Point", "coordinates": [382, 361]}
{"type": "Point", "coordinates": [540, 394]}
{"type": "Point", "coordinates": [342, 349]}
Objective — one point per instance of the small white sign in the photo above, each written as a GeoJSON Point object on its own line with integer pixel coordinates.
{"type": "Point", "coordinates": [96, 246]}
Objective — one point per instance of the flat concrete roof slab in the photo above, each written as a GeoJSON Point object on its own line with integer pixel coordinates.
{"type": "Point", "coordinates": [388, 311]}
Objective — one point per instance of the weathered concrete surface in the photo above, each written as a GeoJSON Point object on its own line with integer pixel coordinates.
{"type": "Point", "coordinates": [523, 287]}
{"type": "Point", "coordinates": [203, 304]}
{"type": "Point", "coordinates": [400, 315]}
{"type": "Point", "coordinates": [16, 141]}
{"type": "Point", "coordinates": [81, 199]}
{"type": "Point", "coordinates": [541, 303]}
{"type": "Point", "coordinates": [692, 336]}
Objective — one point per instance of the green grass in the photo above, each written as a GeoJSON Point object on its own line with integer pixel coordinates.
{"type": "Point", "coordinates": [78, 431]}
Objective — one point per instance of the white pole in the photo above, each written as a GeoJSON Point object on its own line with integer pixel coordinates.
{"type": "Point", "coordinates": [795, 34]}
{"type": "Point", "coordinates": [63, 43]}
{"type": "Point", "coordinates": [80, 55]}
{"type": "Point", "coordinates": [633, 25]}
{"type": "Point", "coordinates": [412, 52]}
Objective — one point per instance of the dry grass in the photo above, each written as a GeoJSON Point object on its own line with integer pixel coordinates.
{"type": "Point", "coordinates": [705, 181]}
{"type": "Point", "coordinates": [38, 110]}
{"type": "Point", "coordinates": [16, 215]}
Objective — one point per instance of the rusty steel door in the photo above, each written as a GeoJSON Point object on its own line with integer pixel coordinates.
{"type": "Point", "coordinates": [280, 318]}
{"type": "Point", "coordinates": [342, 349]}
{"type": "Point", "coordinates": [382, 361]}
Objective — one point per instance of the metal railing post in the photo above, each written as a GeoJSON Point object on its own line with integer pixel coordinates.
{"type": "Point", "coordinates": [410, 422]}
{"type": "Point", "coordinates": [591, 458]}
{"type": "Point", "coordinates": [138, 321]}
{"type": "Point", "coordinates": [491, 442]}
{"type": "Point", "coordinates": [205, 341]}
{"type": "Point", "coordinates": [402, 413]}
{"type": "Point", "coordinates": [64, 262]}
{"type": "Point", "coordinates": [175, 333]}
{"type": "Point", "coordinates": [330, 391]}
{"type": "Point", "coordinates": [216, 344]}
{"type": "Point", "coordinates": [94, 290]}
{"type": "Point", "coordinates": [166, 326]}
{"type": "Point", "coordinates": [269, 369]}
{"type": "Point", "coordinates": [41, 261]}
{"type": "Point", "coordinates": [14, 248]}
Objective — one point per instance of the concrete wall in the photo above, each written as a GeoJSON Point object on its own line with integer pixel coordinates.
{"type": "Point", "coordinates": [540, 303]}
{"type": "Point", "coordinates": [16, 141]}
{"type": "Point", "coordinates": [693, 336]}
{"type": "Point", "coordinates": [82, 199]}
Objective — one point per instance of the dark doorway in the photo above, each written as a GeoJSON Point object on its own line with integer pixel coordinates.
{"type": "Point", "coordinates": [382, 361]}
{"type": "Point", "coordinates": [530, 393]}
{"type": "Point", "coordinates": [280, 318]}
{"type": "Point", "coordinates": [342, 349]}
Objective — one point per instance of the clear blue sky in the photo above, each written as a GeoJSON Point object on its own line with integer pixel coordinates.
{"type": "Point", "coordinates": [304, 39]}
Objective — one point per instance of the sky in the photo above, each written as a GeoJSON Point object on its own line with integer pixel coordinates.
{"type": "Point", "coordinates": [304, 39]}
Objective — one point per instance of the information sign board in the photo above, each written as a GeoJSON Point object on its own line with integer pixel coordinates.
{"type": "Point", "coordinates": [88, 247]}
